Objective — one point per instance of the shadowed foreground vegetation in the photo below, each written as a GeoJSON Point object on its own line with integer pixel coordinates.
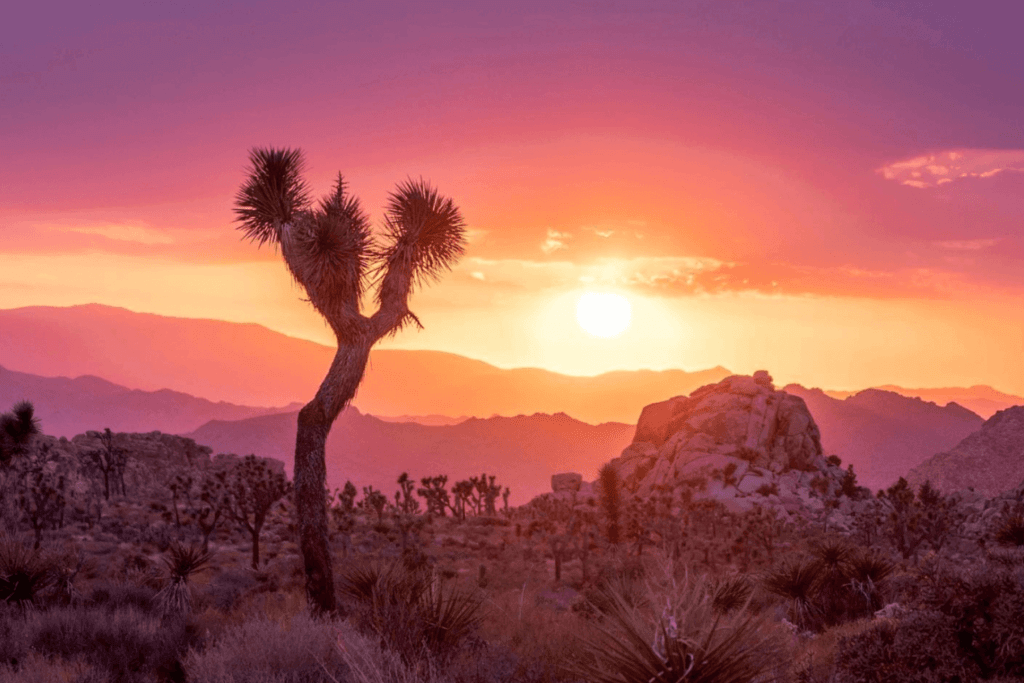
{"type": "Point", "coordinates": [163, 579]}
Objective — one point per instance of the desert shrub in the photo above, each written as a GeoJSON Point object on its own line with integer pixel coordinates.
{"type": "Point", "coordinates": [1010, 531]}
{"type": "Point", "coordinates": [833, 585]}
{"type": "Point", "coordinates": [684, 640]}
{"type": "Point", "coordinates": [24, 572]}
{"type": "Point", "coordinates": [182, 562]}
{"type": "Point", "coordinates": [966, 626]}
{"type": "Point", "coordinates": [415, 613]}
{"type": "Point", "coordinates": [920, 648]}
{"type": "Point", "coordinates": [38, 669]}
{"type": "Point", "coordinates": [227, 587]}
{"type": "Point", "coordinates": [261, 650]}
{"type": "Point", "coordinates": [127, 644]}
{"type": "Point", "coordinates": [114, 596]}
{"type": "Point", "coordinates": [730, 593]}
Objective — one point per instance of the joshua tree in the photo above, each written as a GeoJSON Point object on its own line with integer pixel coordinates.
{"type": "Point", "coordinates": [330, 253]}
{"type": "Point", "coordinates": [254, 489]}
{"type": "Point", "coordinates": [16, 431]}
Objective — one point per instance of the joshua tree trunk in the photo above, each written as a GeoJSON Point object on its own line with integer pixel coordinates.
{"type": "Point", "coordinates": [315, 420]}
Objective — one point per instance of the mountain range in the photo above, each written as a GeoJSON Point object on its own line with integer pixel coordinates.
{"type": "Point", "coordinates": [522, 452]}
{"type": "Point", "coordinates": [990, 460]}
{"type": "Point", "coordinates": [66, 407]}
{"type": "Point", "coordinates": [161, 373]}
{"type": "Point", "coordinates": [249, 364]}
{"type": "Point", "coordinates": [884, 434]}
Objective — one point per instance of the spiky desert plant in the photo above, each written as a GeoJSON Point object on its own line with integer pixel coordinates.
{"type": "Point", "coordinates": [24, 572]}
{"type": "Point", "coordinates": [1011, 531]}
{"type": "Point", "coordinates": [17, 428]}
{"type": "Point", "coordinates": [730, 593]}
{"type": "Point", "coordinates": [411, 610]}
{"type": "Point", "coordinates": [689, 641]}
{"type": "Point", "coordinates": [329, 251]}
{"type": "Point", "coordinates": [869, 575]}
{"type": "Point", "coordinates": [182, 562]}
{"type": "Point", "coordinates": [797, 582]}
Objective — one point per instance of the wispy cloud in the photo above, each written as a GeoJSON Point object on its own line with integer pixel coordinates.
{"type": "Point", "coordinates": [555, 240]}
{"type": "Point", "coordinates": [932, 170]}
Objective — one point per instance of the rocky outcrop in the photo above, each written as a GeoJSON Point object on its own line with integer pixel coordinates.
{"type": "Point", "coordinates": [739, 442]}
{"type": "Point", "coordinates": [740, 421]}
{"type": "Point", "coordinates": [566, 481]}
{"type": "Point", "coordinates": [990, 461]}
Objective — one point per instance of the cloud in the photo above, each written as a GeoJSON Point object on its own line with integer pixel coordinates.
{"type": "Point", "coordinates": [555, 241]}
{"type": "Point", "coordinates": [944, 167]}
{"type": "Point", "coordinates": [968, 245]}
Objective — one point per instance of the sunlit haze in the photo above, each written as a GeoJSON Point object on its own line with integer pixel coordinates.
{"type": "Point", "coordinates": [832, 191]}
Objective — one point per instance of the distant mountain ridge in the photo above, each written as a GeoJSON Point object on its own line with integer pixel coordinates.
{"type": "Point", "coordinates": [883, 433]}
{"type": "Point", "coordinates": [980, 399]}
{"type": "Point", "coordinates": [522, 452]}
{"type": "Point", "coordinates": [990, 460]}
{"type": "Point", "coordinates": [248, 364]}
{"type": "Point", "coordinates": [66, 407]}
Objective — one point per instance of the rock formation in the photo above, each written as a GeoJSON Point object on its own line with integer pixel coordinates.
{"type": "Point", "coordinates": [739, 442]}
{"type": "Point", "coordinates": [990, 460]}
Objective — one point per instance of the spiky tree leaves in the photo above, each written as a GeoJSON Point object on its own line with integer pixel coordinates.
{"type": "Point", "coordinates": [17, 428]}
{"type": "Point", "coordinates": [329, 250]}
{"type": "Point", "coordinates": [272, 194]}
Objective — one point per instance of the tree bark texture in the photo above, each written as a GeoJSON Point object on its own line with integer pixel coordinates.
{"type": "Point", "coordinates": [315, 420]}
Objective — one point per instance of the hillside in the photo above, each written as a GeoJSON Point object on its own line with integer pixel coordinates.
{"type": "Point", "coordinates": [991, 460]}
{"type": "Point", "coordinates": [523, 451]}
{"type": "Point", "coordinates": [883, 433]}
{"type": "Point", "coordinates": [249, 364]}
{"type": "Point", "coordinates": [66, 407]}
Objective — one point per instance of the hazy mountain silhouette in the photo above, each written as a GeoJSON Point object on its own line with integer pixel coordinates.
{"type": "Point", "coordinates": [883, 433]}
{"type": "Point", "coordinates": [66, 407]}
{"type": "Point", "coordinates": [991, 460]}
{"type": "Point", "coordinates": [523, 451]}
{"type": "Point", "coordinates": [249, 364]}
{"type": "Point", "coordinates": [980, 399]}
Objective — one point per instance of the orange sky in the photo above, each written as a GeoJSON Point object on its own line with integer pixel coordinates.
{"type": "Point", "coordinates": [794, 190]}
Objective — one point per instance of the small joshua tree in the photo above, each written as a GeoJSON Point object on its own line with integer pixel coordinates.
{"type": "Point", "coordinates": [110, 460]}
{"type": "Point", "coordinates": [435, 492]}
{"type": "Point", "coordinates": [17, 428]}
{"type": "Point", "coordinates": [254, 488]}
{"type": "Point", "coordinates": [329, 251]}
{"type": "Point", "coordinates": [344, 513]}
{"type": "Point", "coordinates": [376, 502]}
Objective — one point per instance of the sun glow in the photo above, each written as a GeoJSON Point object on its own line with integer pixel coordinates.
{"type": "Point", "coordinates": [603, 314]}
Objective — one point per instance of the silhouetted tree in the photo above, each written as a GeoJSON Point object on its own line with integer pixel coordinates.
{"type": "Point", "coordinates": [110, 460]}
{"type": "Point", "coordinates": [254, 488]}
{"type": "Point", "coordinates": [17, 428]}
{"type": "Point", "coordinates": [330, 253]}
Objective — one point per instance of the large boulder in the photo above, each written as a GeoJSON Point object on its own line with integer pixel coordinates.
{"type": "Point", "coordinates": [718, 431]}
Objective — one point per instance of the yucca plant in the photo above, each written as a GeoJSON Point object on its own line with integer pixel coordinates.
{"type": "Point", "coordinates": [182, 562]}
{"type": "Point", "coordinates": [730, 593]}
{"type": "Point", "coordinates": [869, 575]}
{"type": "Point", "coordinates": [797, 582]}
{"type": "Point", "coordinates": [689, 642]}
{"type": "Point", "coordinates": [24, 572]}
{"type": "Point", "coordinates": [1011, 531]}
{"type": "Point", "coordinates": [412, 611]}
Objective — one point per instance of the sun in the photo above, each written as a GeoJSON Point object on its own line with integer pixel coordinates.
{"type": "Point", "coordinates": [603, 314]}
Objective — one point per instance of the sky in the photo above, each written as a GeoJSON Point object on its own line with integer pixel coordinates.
{"type": "Point", "coordinates": [831, 191]}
